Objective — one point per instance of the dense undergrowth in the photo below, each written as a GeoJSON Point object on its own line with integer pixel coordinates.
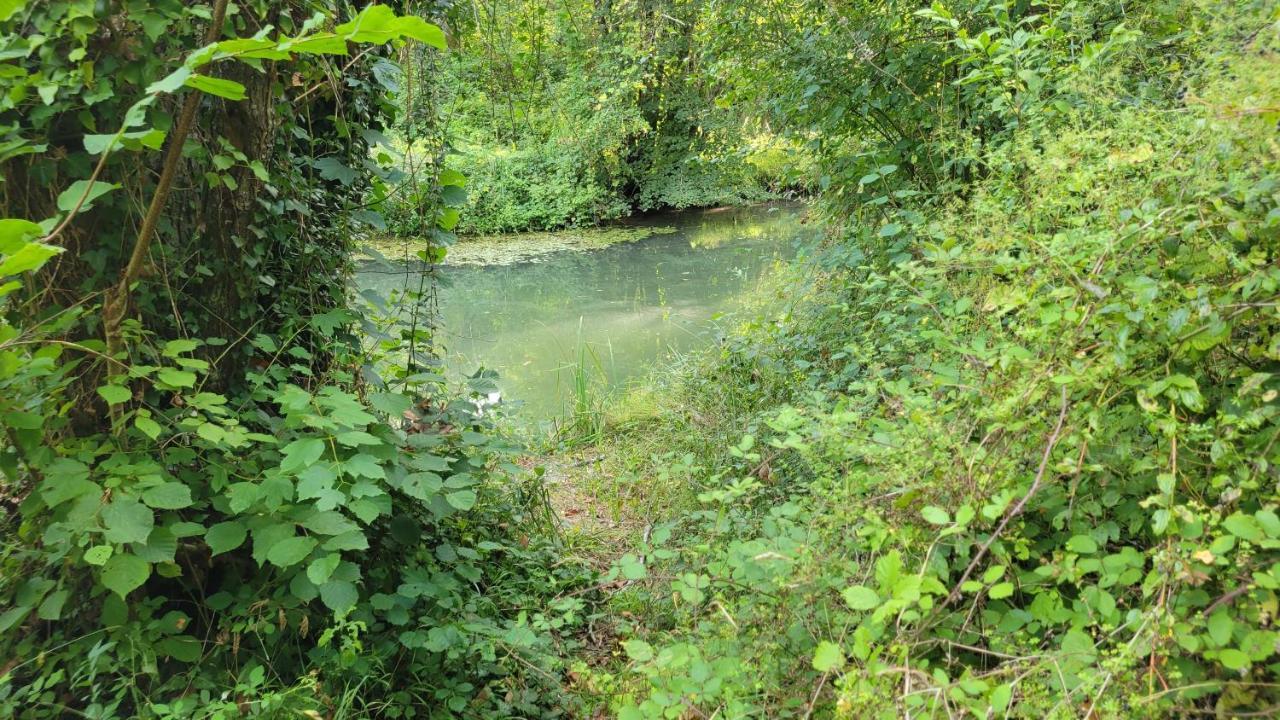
{"type": "Point", "coordinates": [1009, 448]}
{"type": "Point", "coordinates": [231, 489]}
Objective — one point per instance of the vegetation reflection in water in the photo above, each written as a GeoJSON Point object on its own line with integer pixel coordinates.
{"type": "Point", "coordinates": [604, 313]}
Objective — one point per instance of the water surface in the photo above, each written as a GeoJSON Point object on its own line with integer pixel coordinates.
{"type": "Point", "coordinates": [622, 307]}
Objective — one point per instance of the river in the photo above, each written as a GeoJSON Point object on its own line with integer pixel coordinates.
{"type": "Point", "coordinates": [617, 308]}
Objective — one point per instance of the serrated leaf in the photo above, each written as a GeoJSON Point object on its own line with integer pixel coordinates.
{"type": "Point", "coordinates": [126, 520]}
{"type": "Point", "coordinates": [827, 657]}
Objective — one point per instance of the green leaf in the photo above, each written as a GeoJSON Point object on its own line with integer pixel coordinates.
{"type": "Point", "coordinates": [31, 256]}
{"type": "Point", "coordinates": [1082, 544]}
{"type": "Point", "coordinates": [329, 522]}
{"type": "Point", "coordinates": [290, 551]}
{"type": "Point", "coordinates": [320, 569]}
{"type": "Point", "coordinates": [1220, 627]}
{"type": "Point", "coordinates": [126, 520]}
{"type": "Point", "coordinates": [1243, 526]}
{"type": "Point", "coordinates": [1001, 591]}
{"type": "Point", "coordinates": [124, 573]}
{"type": "Point", "coordinates": [221, 87]}
{"type": "Point", "coordinates": [339, 595]}
{"type": "Point", "coordinates": [935, 515]}
{"type": "Point", "coordinates": [638, 650]}
{"type": "Point", "coordinates": [169, 496]}
{"type": "Point", "coordinates": [175, 378]}
{"type": "Point", "coordinates": [138, 140]}
{"type": "Point", "coordinates": [300, 454]}
{"type": "Point", "coordinates": [861, 597]}
{"type": "Point", "coordinates": [81, 188]}
{"type": "Point", "coordinates": [147, 426]}
{"type": "Point", "coordinates": [51, 608]}
{"type": "Point", "coordinates": [15, 233]}
{"type": "Point", "coordinates": [115, 394]}
{"type": "Point", "coordinates": [66, 479]}
{"type": "Point", "coordinates": [98, 554]}
{"type": "Point", "coordinates": [827, 657]}
{"type": "Point", "coordinates": [225, 536]}
{"type": "Point", "coordinates": [461, 499]}
{"type": "Point", "coordinates": [13, 616]}
{"type": "Point", "coordinates": [183, 648]}
{"type": "Point", "coordinates": [1233, 659]}
{"type": "Point", "coordinates": [170, 82]}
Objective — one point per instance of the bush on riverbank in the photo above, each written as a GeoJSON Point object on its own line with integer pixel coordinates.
{"type": "Point", "coordinates": [1013, 452]}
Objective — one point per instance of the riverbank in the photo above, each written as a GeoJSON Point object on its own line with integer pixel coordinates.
{"type": "Point", "coordinates": [1007, 456]}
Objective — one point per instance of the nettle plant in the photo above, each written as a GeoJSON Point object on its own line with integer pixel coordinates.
{"type": "Point", "coordinates": [215, 553]}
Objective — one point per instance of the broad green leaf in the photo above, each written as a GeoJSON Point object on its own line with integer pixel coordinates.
{"type": "Point", "coordinates": [861, 597]}
{"type": "Point", "coordinates": [339, 595]}
{"type": "Point", "coordinates": [329, 522]}
{"type": "Point", "coordinates": [51, 608]}
{"type": "Point", "coordinates": [147, 426]}
{"type": "Point", "coordinates": [31, 256]}
{"type": "Point", "coordinates": [300, 454]}
{"type": "Point", "coordinates": [827, 657]}
{"type": "Point", "coordinates": [180, 647]}
{"type": "Point", "coordinates": [15, 233]}
{"type": "Point", "coordinates": [175, 378]}
{"type": "Point", "coordinates": [81, 188]}
{"type": "Point", "coordinates": [65, 479]}
{"type": "Point", "coordinates": [124, 573]}
{"type": "Point", "coordinates": [290, 551]}
{"type": "Point", "coordinates": [171, 82]}
{"type": "Point", "coordinates": [98, 554]}
{"type": "Point", "coordinates": [1001, 591]}
{"type": "Point", "coordinates": [1220, 626]}
{"type": "Point", "coordinates": [127, 520]}
{"type": "Point", "coordinates": [935, 515]}
{"type": "Point", "coordinates": [461, 499]}
{"type": "Point", "coordinates": [1082, 544]}
{"type": "Point", "coordinates": [638, 650]}
{"type": "Point", "coordinates": [221, 87]}
{"type": "Point", "coordinates": [321, 569]}
{"type": "Point", "coordinates": [115, 394]}
{"type": "Point", "coordinates": [1243, 526]}
{"type": "Point", "coordinates": [169, 496]}
{"type": "Point", "coordinates": [1233, 659]}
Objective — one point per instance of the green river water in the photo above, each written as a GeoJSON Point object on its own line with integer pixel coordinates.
{"type": "Point", "coordinates": [661, 290]}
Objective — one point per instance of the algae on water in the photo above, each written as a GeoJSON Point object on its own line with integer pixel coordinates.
{"type": "Point", "coordinates": [522, 247]}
